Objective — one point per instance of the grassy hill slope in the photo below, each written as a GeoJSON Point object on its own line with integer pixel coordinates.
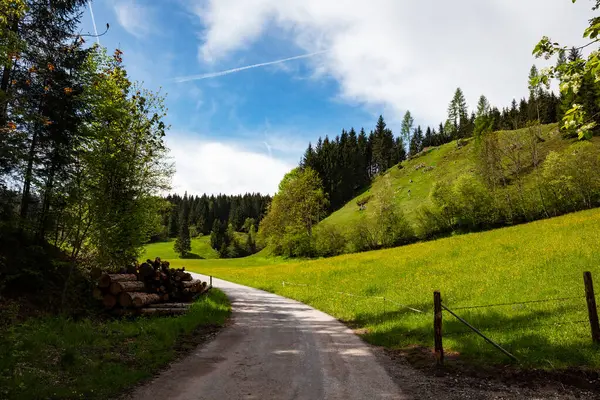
{"type": "Point", "coordinates": [539, 260]}
{"type": "Point", "coordinates": [442, 163]}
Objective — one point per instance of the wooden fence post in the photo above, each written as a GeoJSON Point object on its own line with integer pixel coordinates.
{"type": "Point", "coordinates": [437, 327]}
{"type": "Point", "coordinates": [591, 303]}
{"type": "Point", "coordinates": [211, 281]}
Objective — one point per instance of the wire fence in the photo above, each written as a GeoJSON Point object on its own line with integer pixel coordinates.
{"type": "Point", "coordinates": [501, 326]}
{"type": "Point", "coordinates": [385, 299]}
{"type": "Point", "coordinates": [520, 303]}
{"type": "Point", "coordinates": [428, 310]}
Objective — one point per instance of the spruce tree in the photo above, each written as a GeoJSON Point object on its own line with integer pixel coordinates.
{"type": "Point", "coordinates": [174, 221]}
{"type": "Point", "coordinates": [183, 244]}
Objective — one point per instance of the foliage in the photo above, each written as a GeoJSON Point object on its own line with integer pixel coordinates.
{"type": "Point", "coordinates": [125, 165]}
{"type": "Point", "coordinates": [61, 358]}
{"type": "Point", "coordinates": [540, 260]}
{"type": "Point", "coordinates": [297, 207]}
{"type": "Point", "coordinates": [329, 241]}
{"type": "Point", "coordinates": [578, 78]}
{"type": "Point", "coordinates": [241, 211]}
{"type": "Point", "coordinates": [82, 146]}
{"type": "Point", "coordinates": [183, 243]}
{"type": "Point", "coordinates": [571, 178]}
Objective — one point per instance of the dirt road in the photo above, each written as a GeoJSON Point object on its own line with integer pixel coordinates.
{"type": "Point", "coordinates": [275, 348]}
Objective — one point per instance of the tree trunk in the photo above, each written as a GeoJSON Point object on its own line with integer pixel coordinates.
{"type": "Point", "coordinates": [28, 176]}
{"type": "Point", "coordinates": [106, 279]}
{"type": "Point", "coordinates": [109, 301]}
{"type": "Point", "coordinates": [136, 299]}
{"type": "Point", "coordinates": [126, 286]}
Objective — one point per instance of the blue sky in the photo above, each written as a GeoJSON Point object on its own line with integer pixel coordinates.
{"type": "Point", "coordinates": [242, 131]}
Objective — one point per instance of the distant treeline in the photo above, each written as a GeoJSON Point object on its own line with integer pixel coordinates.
{"type": "Point", "coordinates": [240, 211]}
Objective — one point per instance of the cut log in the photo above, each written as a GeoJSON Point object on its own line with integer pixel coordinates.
{"type": "Point", "coordinates": [170, 305]}
{"type": "Point", "coordinates": [163, 311]}
{"type": "Point", "coordinates": [109, 301]}
{"type": "Point", "coordinates": [95, 273]}
{"type": "Point", "coordinates": [192, 284]}
{"type": "Point", "coordinates": [183, 276]}
{"type": "Point", "coordinates": [146, 271]}
{"type": "Point", "coordinates": [106, 279]}
{"type": "Point", "coordinates": [97, 294]}
{"type": "Point", "coordinates": [137, 299]}
{"type": "Point", "coordinates": [127, 286]}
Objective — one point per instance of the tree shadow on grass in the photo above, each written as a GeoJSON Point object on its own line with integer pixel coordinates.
{"type": "Point", "coordinates": [530, 336]}
{"type": "Point", "coordinates": [192, 256]}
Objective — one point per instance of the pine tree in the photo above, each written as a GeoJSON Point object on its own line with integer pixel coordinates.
{"type": "Point", "coordinates": [483, 118]}
{"type": "Point", "coordinates": [407, 124]}
{"type": "Point", "coordinates": [364, 158]}
{"type": "Point", "coordinates": [183, 243]}
{"type": "Point", "coordinates": [416, 142]}
{"type": "Point", "coordinates": [174, 221]}
{"type": "Point", "coordinates": [458, 114]}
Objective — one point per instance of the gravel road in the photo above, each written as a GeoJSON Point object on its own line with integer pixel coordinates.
{"type": "Point", "coordinates": [275, 348]}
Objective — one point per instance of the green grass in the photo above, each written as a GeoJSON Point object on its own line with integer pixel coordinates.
{"type": "Point", "coordinates": [200, 250]}
{"type": "Point", "coordinates": [60, 358]}
{"type": "Point", "coordinates": [540, 260]}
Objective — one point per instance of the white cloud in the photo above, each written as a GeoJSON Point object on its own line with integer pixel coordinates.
{"type": "Point", "coordinates": [397, 55]}
{"type": "Point", "coordinates": [205, 166]}
{"type": "Point", "coordinates": [133, 17]}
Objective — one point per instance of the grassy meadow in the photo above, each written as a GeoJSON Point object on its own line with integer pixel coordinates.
{"type": "Point", "coordinates": [540, 260]}
{"type": "Point", "coordinates": [58, 358]}
{"type": "Point", "coordinates": [200, 249]}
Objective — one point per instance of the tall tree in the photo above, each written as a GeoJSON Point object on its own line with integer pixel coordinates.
{"type": "Point", "coordinates": [296, 208]}
{"type": "Point", "coordinates": [183, 244]}
{"type": "Point", "coordinates": [483, 118]}
{"type": "Point", "coordinates": [458, 114]}
{"type": "Point", "coordinates": [407, 126]}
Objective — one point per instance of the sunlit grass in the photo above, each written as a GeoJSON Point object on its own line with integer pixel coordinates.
{"type": "Point", "coordinates": [540, 260]}
{"type": "Point", "coordinates": [200, 249]}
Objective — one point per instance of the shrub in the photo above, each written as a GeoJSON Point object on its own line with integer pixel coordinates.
{"type": "Point", "coordinates": [362, 236]}
{"type": "Point", "coordinates": [571, 179]}
{"type": "Point", "coordinates": [329, 241]}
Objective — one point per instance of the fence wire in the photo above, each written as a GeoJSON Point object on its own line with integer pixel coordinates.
{"type": "Point", "coordinates": [519, 303]}
{"type": "Point", "coordinates": [385, 299]}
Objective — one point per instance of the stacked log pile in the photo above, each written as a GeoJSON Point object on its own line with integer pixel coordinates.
{"type": "Point", "coordinates": [146, 289]}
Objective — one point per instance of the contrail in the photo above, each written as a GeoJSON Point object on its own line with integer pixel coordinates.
{"type": "Point", "coordinates": [94, 22]}
{"type": "Point", "coordinates": [231, 71]}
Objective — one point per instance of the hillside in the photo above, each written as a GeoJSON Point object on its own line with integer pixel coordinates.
{"type": "Point", "coordinates": [413, 182]}
{"type": "Point", "coordinates": [539, 260]}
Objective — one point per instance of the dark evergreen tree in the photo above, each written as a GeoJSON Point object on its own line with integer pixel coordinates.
{"type": "Point", "coordinates": [183, 243]}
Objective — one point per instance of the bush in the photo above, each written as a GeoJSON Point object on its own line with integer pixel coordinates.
{"type": "Point", "coordinates": [329, 241]}
{"type": "Point", "coordinates": [571, 180]}
{"type": "Point", "coordinates": [473, 204]}
{"type": "Point", "coordinates": [295, 243]}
